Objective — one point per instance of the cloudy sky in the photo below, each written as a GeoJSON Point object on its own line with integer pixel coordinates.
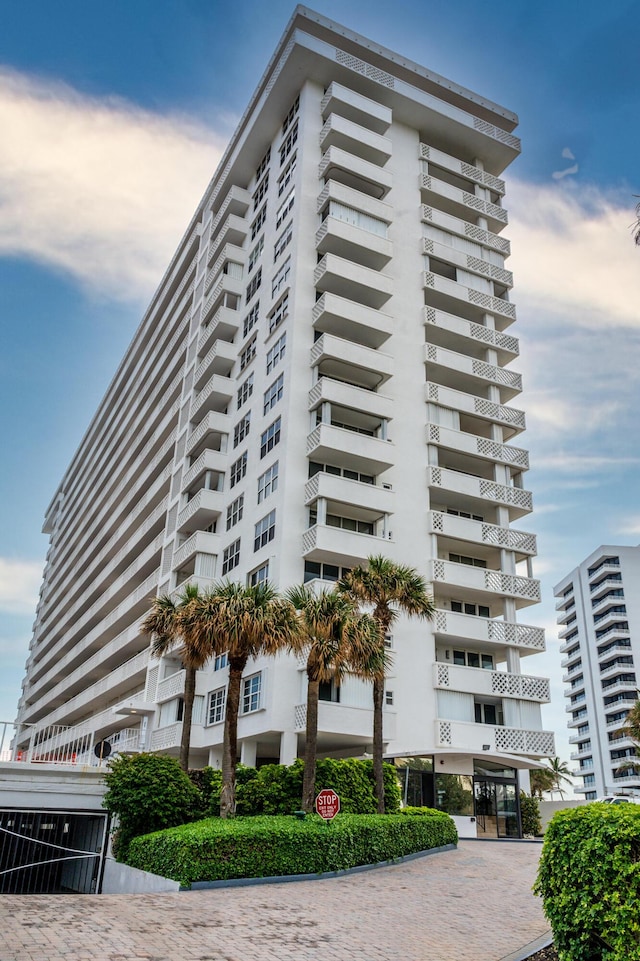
{"type": "Point", "coordinates": [112, 118]}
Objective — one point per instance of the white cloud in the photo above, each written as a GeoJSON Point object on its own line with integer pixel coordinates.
{"type": "Point", "coordinates": [19, 585]}
{"type": "Point", "coordinates": [97, 188]}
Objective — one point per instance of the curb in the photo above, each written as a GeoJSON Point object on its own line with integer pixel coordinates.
{"type": "Point", "coordinates": [542, 942]}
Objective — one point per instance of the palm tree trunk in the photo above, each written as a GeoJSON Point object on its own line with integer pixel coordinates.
{"type": "Point", "coordinates": [310, 747]}
{"type": "Point", "coordinates": [187, 713]}
{"type": "Point", "coordinates": [230, 747]}
{"type": "Point", "coordinates": [378, 775]}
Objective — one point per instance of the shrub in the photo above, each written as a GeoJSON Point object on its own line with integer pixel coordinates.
{"type": "Point", "coordinates": [418, 812]}
{"type": "Point", "coordinates": [589, 879]}
{"type": "Point", "coordinates": [530, 813]}
{"type": "Point", "coordinates": [214, 850]}
{"type": "Point", "coordinates": [148, 792]}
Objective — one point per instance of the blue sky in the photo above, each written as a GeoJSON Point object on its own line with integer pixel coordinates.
{"type": "Point", "coordinates": [113, 118]}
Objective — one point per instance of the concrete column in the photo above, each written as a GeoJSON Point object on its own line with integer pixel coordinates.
{"type": "Point", "coordinates": [215, 757]}
{"type": "Point", "coordinates": [248, 753]}
{"type": "Point", "coordinates": [321, 510]}
{"type": "Point", "coordinates": [513, 660]}
{"type": "Point", "coordinates": [325, 412]}
{"type": "Point", "coordinates": [288, 747]}
{"type": "Point", "coordinates": [384, 427]}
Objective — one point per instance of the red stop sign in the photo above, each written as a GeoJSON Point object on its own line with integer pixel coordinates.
{"type": "Point", "coordinates": [327, 804]}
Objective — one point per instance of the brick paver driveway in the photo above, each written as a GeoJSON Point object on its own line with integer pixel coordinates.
{"type": "Point", "coordinates": [472, 904]}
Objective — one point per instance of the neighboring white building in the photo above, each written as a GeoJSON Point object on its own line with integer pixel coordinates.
{"type": "Point", "coordinates": [599, 618]}
{"type": "Point", "coordinates": [323, 374]}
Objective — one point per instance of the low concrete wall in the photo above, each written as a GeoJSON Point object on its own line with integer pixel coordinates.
{"type": "Point", "coordinates": [466, 826]}
{"type": "Point", "coordinates": [121, 879]}
{"type": "Point", "coordinates": [549, 808]}
{"type": "Point", "coordinates": [25, 785]}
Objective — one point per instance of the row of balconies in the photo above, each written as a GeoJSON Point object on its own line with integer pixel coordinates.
{"type": "Point", "coordinates": [510, 419]}
{"type": "Point", "coordinates": [462, 169]}
{"type": "Point", "coordinates": [476, 680]}
{"type": "Point", "coordinates": [446, 294]}
{"type": "Point", "coordinates": [467, 373]}
{"type": "Point", "coordinates": [469, 263]}
{"type": "Point", "coordinates": [461, 203]}
{"type": "Point", "coordinates": [449, 330]}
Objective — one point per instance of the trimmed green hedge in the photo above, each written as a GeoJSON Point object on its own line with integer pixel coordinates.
{"type": "Point", "coordinates": [589, 879]}
{"type": "Point", "coordinates": [257, 847]}
{"type": "Point", "coordinates": [530, 813]}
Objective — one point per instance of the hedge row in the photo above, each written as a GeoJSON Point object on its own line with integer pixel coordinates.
{"type": "Point", "coordinates": [589, 879]}
{"type": "Point", "coordinates": [215, 850]}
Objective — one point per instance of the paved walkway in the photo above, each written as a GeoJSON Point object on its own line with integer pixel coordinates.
{"type": "Point", "coordinates": [471, 904]}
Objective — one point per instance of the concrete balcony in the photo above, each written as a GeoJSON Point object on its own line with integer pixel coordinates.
{"type": "Point", "coordinates": [352, 362]}
{"type": "Point", "coordinates": [474, 265]}
{"type": "Point", "coordinates": [209, 460]}
{"type": "Point", "coordinates": [344, 721]}
{"type": "Point", "coordinates": [342, 547]}
{"type": "Point", "coordinates": [369, 497]}
{"type": "Point", "coordinates": [201, 511]}
{"type": "Point", "coordinates": [613, 632]}
{"type": "Point", "coordinates": [473, 738]}
{"type": "Point", "coordinates": [344, 167]}
{"type": "Point", "coordinates": [348, 135]}
{"type": "Point", "coordinates": [622, 646]}
{"type": "Point", "coordinates": [580, 701]}
{"type": "Point", "coordinates": [351, 197]}
{"type": "Point", "coordinates": [607, 566]}
{"type": "Point", "coordinates": [347, 448]}
{"type": "Point", "coordinates": [620, 686]}
{"type": "Point", "coordinates": [338, 237]}
{"type": "Point", "coordinates": [440, 291]}
{"type": "Point", "coordinates": [580, 720]}
{"type": "Point", "coordinates": [565, 602]}
{"type": "Point", "coordinates": [461, 203]}
{"type": "Point", "coordinates": [222, 326]}
{"type": "Point", "coordinates": [170, 687]}
{"type": "Point", "coordinates": [571, 690]}
{"type": "Point", "coordinates": [597, 590]}
{"type": "Point", "coordinates": [166, 738]}
{"type": "Point", "coordinates": [611, 617]}
{"type": "Point", "coordinates": [575, 738]}
{"type": "Point", "coordinates": [347, 319]}
{"type": "Point", "coordinates": [327, 390]}
{"type": "Point", "coordinates": [566, 614]}
{"type": "Point", "coordinates": [353, 106]}
{"type": "Point", "coordinates": [229, 253]}
{"type": "Point", "coordinates": [510, 419]}
{"type": "Point", "coordinates": [467, 373]}
{"type": "Point", "coordinates": [463, 228]}
{"type": "Point", "coordinates": [463, 443]}
{"type": "Point", "coordinates": [219, 360]}
{"type": "Point", "coordinates": [568, 645]}
{"type": "Point", "coordinates": [214, 396]}
{"type": "Point", "coordinates": [568, 629]}
{"type": "Point", "coordinates": [477, 532]}
{"type": "Point", "coordinates": [585, 752]}
{"type": "Point", "coordinates": [226, 290]}
{"type": "Point", "coordinates": [447, 330]}
{"type": "Point", "coordinates": [469, 489]}
{"type": "Point", "coordinates": [202, 542]}
{"type": "Point", "coordinates": [477, 582]}
{"type": "Point", "coordinates": [462, 169]}
{"type": "Point", "coordinates": [475, 680]}
{"type": "Point", "coordinates": [236, 202]}
{"type": "Point", "coordinates": [571, 674]}
{"type": "Point", "coordinates": [352, 281]}
{"type": "Point", "coordinates": [212, 431]}
{"type": "Point", "coordinates": [453, 627]}
{"type": "Point", "coordinates": [603, 603]}
{"type": "Point", "coordinates": [233, 231]}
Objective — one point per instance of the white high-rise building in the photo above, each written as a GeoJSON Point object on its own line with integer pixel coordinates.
{"type": "Point", "coordinates": [323, 374]}
{"type": "Point", "coordinates": [599, 618]}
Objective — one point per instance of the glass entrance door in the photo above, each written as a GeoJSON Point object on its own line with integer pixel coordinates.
{"type": "Point", "coordinates": [496, 808]}
{"type": "Point", "coordinates": [507, 810]}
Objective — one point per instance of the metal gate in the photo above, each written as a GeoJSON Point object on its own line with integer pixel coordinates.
{"type": "Point", "coordinates": [51, 852]}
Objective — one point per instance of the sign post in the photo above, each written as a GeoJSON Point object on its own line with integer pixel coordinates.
{"type": "Point", "coordinates": [327, 804]}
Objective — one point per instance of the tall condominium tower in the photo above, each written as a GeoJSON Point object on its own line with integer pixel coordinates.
{"type": "Point", "coordinates": [599, 618]}
{"type": "Point", "coordinates": [323, 374]}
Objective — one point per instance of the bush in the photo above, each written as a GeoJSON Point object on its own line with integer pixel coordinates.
{"type": "Point", "coordinates": [215, 850]}
{"type": "Point", "coordinates": [589, 879]}
{"type": "Point", "coordinates": [418, 812]}
{"type": "Point", "coordinates": [148, 792]}
{"type": "Point", "coordinates": [530, 813]}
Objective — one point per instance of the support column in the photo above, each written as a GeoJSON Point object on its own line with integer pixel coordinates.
{"type": "Point", "coordinates": [321, 510]}
{"type": "Point", "coordinates": [248, 753]}
{"type": "Point", "coordinates": [288, 747]}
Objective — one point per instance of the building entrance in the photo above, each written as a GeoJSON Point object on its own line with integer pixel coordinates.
{"type": "Point", "coordinates": [496, 807]}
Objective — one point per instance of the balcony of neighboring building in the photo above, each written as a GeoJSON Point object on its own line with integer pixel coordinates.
{"type": "Point", "coordinates": [611, 615]}
{"type": "Point", "coordinates": [585, 749]}
{"type": "Point", "coordinates": [350, 320]}
{"type": "Point", "coordinates": [202, 510]}
{"type": "Point", "coordinates": [609, 564]}
{"type": "Point", "coordinates": [341, 359]}
{"type": "Point", "coordinates": [350, 441]}
{"type": "Point", "coordinates": [219, 359]}
{"type": "Point", "coordinates": [510, 419]}
{"type": "Point", "coordinates": [329, 390]}
{"type": "Point", "coordinates": [452, 627]}
{"type": "Point", "coordinates": [612, 597]}
{"type": "Point", "coordinates": [347, 168]}
{"type": "Point", "coordinates": [569, 630]}
{"type": "Point", "coordinates": [567, 614]}
{"type": "Point", "coordinates": [610, 582]}
{"type": "Point", "coordinates": [354, 241]}
{"type": "Point", "coordinates": [477, 446]}
{"type": "Point", "coordinates": [226, 292]}
{"type": "Point", "coordinates": [473, 493]}
{"type": "Point", "coordinates": [375, 499]}
{"type": "Point", "coordinates": [480, 681]}
{"type": "Point", "coordinates": [356, 107]}
{"type": "Point", "coordinates": [223, 325]}
{"type": "Point", "coordinates": [618, 682]}
{"type": "Point", "coordinates": [211, 433]}
{"type": "Point", "coordinates": [231, 259]}
{"type": "Point", "coordinates": [576, 686]}
{"type": "Point", "coordinates": [447, 294]}
{"type": "Point", "coordinates": [475, 583]}
{"type": "Point", "coordinates": [209, 461]}
{"type": "Point", "coordinates": [581, 716]}
{"type": "Point", "coordinates": [460, 168]}
{"type": "Point", "coordinates": [236, 202]}
{"type": "Point", "coordinates": [470, 263]}
{"type": "Point", "coordinates": [619, 645]}
{"type": "Point", "coordinates": [458, 227]}
{"type": "Point", "coordinates": [467, 374]}
{"type": "Point", "coordinates": [467, 337]}
{"type": "Point", "coordinates": [460, 199]}
{"type": "Point", "coordinates": [453, 531]}
{"type": "Point", "coordinates": [573, 672]}
{"type": "Point", "coordinates": [202, 542]}
{"type": "Point", "coordinates": [216, 395]}
{"type": "Point", "coordinates": [478, 738]}
{"type": "Point", "coordinates": [352, 281]}
{"type": "Point", "coordinates": [344, 134]}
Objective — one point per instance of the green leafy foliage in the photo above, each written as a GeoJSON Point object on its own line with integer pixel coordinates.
{"type": "Point", "coordinates": [217, 849]}
{"type": "Point", "coordinates": [530, 813]}
{"type": "Point", "coordinates": [148, 792]}
{"type": "Point", "coordinates": [589, 879]}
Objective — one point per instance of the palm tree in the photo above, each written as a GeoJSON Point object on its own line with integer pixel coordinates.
{"type": "Point", "coordinates": [541, 781]}
{"type": "Point", "coordinates": [560, 772]}
{"type": "Point", "coordinates": [244, 622]}
{"type": "Point", "coordinates": [165, 624]}
{"type": "Point", "coordinates": [388, 588]}
{"type": "Point", "coordinates": [631, 726]}
{"type": "Point", "coordinates": [339, 640]}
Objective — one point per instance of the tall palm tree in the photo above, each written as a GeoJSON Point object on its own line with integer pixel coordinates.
{"type": "Point", "coordinates": [339, 639]}
{"type": "Point", "coordinates": [632, 724]}
{"type": "Point", "coordinates": [165, 624]}
{"type": "Point", "coordinates": [541, 781]}
{"type": "Point", "coordinates": [561, 775]}
{"type": "Point", "coordinates": [388, 588]}
{"type": "Point", "coordinates": [244, 622]}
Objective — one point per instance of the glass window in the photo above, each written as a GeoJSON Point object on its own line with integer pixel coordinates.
{"type": "Point", "coordinates": [265, 530]}
{"type": "Point", "coordinates": [234, 511]}
{"type": "Point", "coordinates": [268, 482]}
{"type": "Point", "coordinates": [217, 701]}
{"type": "Point", "coordinates": [273, 394]}
{"type": "Point", "coordinates": [270, 437]}
{"type": "Point", "coordinates": [245, 391]}
{"type": "Point", "coordinates": [237, 470]}
{"type": "Point", "coordinates": [251, 691]}
{"type": "Point", "coordinates": [231, 557]}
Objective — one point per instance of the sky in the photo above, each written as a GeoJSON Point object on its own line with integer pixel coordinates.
{"type": "Point", "coordinates": [112, 120]}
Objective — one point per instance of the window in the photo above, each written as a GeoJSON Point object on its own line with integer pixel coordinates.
{"type": "Point", "coordinates": [283, 240]}
{"type": "Point", "coordinates": [231, 557]}
{"type": "Point", "coordinates": [268, 482]}
{"type": "Point", "coordinates": [265, 531]}
{"type": "Point", "coordinates": [251, 319]}
{"type": "Point", "coordinates": [326, 572]}
{"type": "Point", "coordinates": [258, 222]}
{"type": "Point", "coordinates": [357, 218]}
{"type": "Point", "coordinates": [281, 277]}
{"type": "Point", "coordinates": [270, 437]}
{"type": "Point", "coordinates": [255, 253]}
{"type": "Point", "coordinates": [249, 352]}
{"type": "Point", "coordinates": [462, 608]}
{"type": "Point", "coordinates": [245, 390]}
{"type": "Point", "coordinates": [217, 701]}
{"type": "Point", "coordinates": [220, 661]}
{"type": "Point", "coordinates": [345, 523]}
{"type": "Point", "coordinates": [276, 353]}
{"type": "Point", "coordinates": [234, 512]}
{"type": "Point", "coordinates": [288, 120]}
{"type": "Point", "coordinates": [388, 698]}
{"type": "Point", "coordinates": [260, 192]}
{"type": "Point", "coordinates": [473, 659]}
{"type": "Point", "coordinates": [253, 285]}
{"type": "Point", "coordinates": [251, 691]}
{"type": "Point", "coordinates": [475, 517]}
{"type": "Point", "coordinates": [241, 429]}
{"type": "Point", "coordinates": [273, 394]}
{"type": "Point", "coordinates": [237, 470]}
{"type": "Point", "coordinates": [316, 468]}
{"type": "Point", "coordinates": [260, 575]}
{"type": "Point", "coordinates": [329, 691]}
{"type": "Point", "coordinates": [279, 313]}
{"type": "Point", "coordinates": [286, 176]}
{"type": "Point", "coordinates": [288, 143]}
{"type": "Point", "coordinates": [487, 714]}
{"type": "Point", "coordinates": [470, 561]}
{"type": "Point", "coordinates": [262, 166]}
{"type": "Point", "coordinates": [285, 207]}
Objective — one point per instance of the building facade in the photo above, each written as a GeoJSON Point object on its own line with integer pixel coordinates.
{"type": "Point", "coordinates": [323, 374]}
{"type": "Point", "coordinates": [599, 618]}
